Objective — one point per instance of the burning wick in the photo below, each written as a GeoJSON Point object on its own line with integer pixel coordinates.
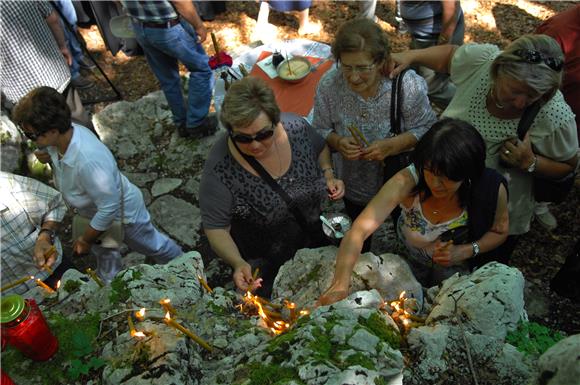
{"type": "Point", "coordinates": [43, 285]}
{"type": "Point", "coordinates": [170, 322]}
{"type": "Point", "coordinates": [95, 277]}
{"type": "Point", "coordinates": [132, 330]}
{"type": "Point", "coordinates": [292, 307]}
{"type": "Point", "coordinates": [204, 284]}
{"type": "Point", "coordinates": [16, 283]}
{"type": "Point", "coordinates": [140, 315]}
{"type": "Point", "coordinates": [167, 306]}
{"type": "Point", "coordinates": [58, 285]}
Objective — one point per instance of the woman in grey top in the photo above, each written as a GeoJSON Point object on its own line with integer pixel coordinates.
{"type": "Point", "coordinates": [357, 93]}
{"type": "Point", "coordinates": [245, 220]}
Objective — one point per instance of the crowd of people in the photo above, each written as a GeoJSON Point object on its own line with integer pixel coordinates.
{"type": "Point", "coordinates": [464, 196]}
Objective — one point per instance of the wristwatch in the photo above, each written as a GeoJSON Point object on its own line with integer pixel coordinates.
{"type": "Point", "coordinates": [51, 234]}
{"type": "Point", "coordinates": [475, 249]}
{"type": "Point", "coordinates": [532, 167]}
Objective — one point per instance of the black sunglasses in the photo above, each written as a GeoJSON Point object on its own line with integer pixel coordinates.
{"type": "Point", "coordinates": [264, 134]}
{"type": "Point", "coordinates": [30, 135]}
{"type": "Point", "coordinates": [536, 57]}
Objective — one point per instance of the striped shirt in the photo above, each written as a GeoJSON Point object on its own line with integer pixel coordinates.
{"type": "Point", "coordinates": [25, 204]}
{"type": "Point", "coordinates": [150, 10]}
{"type": "Point", "coordinates": [29, 54]}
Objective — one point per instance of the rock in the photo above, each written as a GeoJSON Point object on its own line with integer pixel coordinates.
{"type": "Point", "coordinates": [132, 259]}
{"type": "Point", "coordinates": [140, 179]}
{"type": "Point", "coordinates": [310, 272]}
{"type": "Point", "coordinates": [165, 185]}
{"type": "Point", "coordinates": [10, 145]}
{"type": "Point", "coordinates": [560, 365]}
{"type": "Point", "coordinates": [179, 219]}
{"type": "Point", "coordinates": [192, 186]}
{"type": "Point", "coordinates": [146, 196]}
{"type": "Point", "coordinates": [490, 300]}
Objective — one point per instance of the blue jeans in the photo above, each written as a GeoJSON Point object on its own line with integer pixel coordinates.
{"type": "Point", "coordinates": [68, 12]}
{"type": "Point", "coordinates": [163, 48]}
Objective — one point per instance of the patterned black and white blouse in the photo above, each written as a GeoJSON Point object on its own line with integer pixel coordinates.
{"type": "Point", "coordinates": [261, 224]}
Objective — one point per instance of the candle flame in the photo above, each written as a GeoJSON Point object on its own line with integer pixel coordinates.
{"type": "Point", "coordinates": [32, 277]}
{"type": "Point", "coordinates": [141, 312]}
{"type": "Point", "coordinates": [166, 300]}
{"type": "Point", "coordinates": [168, 316]}
{"type": "Point", "coordinates": [402, 295]}
{"type": "Point", "coordinates": [58, 285]}
{"type": "Point", "coordinates": [137, 334]}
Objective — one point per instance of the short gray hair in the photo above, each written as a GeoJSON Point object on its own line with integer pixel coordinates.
{"type": "Point", "coordinates": [539, 76]}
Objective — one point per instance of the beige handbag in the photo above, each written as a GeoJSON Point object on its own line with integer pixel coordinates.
{"type": "Point", "coordinates": [111, 238]}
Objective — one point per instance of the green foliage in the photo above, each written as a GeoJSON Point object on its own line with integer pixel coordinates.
{"type": "Point", "coordinates": [322, 346]}
{"type": "Point", "coordinates": [119, 291]}
{"type": "Point", "coordinates": [259, 374]}
{"type": "Point", "coordinates": [76, 338]}
{"type": "Point", "coordinates": [72, 286]}
{"type": "Point", "coordinates": [360, 359]}
{"type": "Point", "coordinates": [377, 326]}
{"type": "Point", "coordinates": [532, 338]}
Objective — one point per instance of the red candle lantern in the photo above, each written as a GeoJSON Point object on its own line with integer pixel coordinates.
{"type": "Point", "coordinates": [24, 328]}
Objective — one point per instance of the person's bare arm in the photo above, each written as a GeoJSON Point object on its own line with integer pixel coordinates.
{"type": "Point", "coordinates": [224, 246]}
{"type": "Point", "coordinates": [187, 10]}
{"type": "Point", "coordinates": [448, 20]}
{"type": "Point", "coordinates": [390, 195]}
{"type": "Point", "coordinates": [56, 30]}
{"type": "Point", "coordinates": [438, 58]}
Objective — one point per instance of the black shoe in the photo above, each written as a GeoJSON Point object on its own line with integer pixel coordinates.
{"type": "Point", "coordinates": [207, 128]}
{"type": "Point", "coordinates": [86, 64]}
{"type": "Point", "coordinates": [81, 83]}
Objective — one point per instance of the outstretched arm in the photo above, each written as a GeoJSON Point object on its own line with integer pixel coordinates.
{"type": "Point", "coordinates": [438, 58]}
{"type": "Point", "coordinates": [391, 194]}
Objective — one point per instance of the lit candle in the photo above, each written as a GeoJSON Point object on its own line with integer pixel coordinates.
{"type": "Point", "coordinates": [16, 283]}
{"type": "Point", "coordinates": [49, 253]}
{"type": "Point", "coordinates": [95, 277]}
{"type": "Point", "coordinates": [58, 285]}
{"type": "Point", "coordinates": [256, 272]}
{"type": "Point", "coordinates": [204, 284]}
{"type": "Point", "coordinates": [132, 330]}
{"type": "Point", "coordinates": [44, 285]}
{"type": "Point", "coordinates": [292, 307]}
{"type": "Point", "coordinates": [167, 306]}
{"type": "Point", "coordinates": [170, 322]}
{"type": "Point", "coordinates": [140, 315]}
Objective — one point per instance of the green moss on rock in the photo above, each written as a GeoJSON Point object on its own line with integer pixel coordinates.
{"type": "Point", "coordinates": [377, 326]}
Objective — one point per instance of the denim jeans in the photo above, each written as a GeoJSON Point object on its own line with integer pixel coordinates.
{"type": "Point", "coordinates": [143, 238]}
{"type": "Point", "coordinates": [68, 12]}
{"type": "Point", "coordinates": [163, 48]}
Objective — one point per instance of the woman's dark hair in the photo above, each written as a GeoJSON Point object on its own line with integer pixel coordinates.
{"type": "Point", "coordinates": [452, 148]}
{"type": "Point", "coordinates": [43, 109]}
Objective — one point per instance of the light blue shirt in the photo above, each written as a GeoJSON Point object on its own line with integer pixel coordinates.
{"type": "Point", "coordinates": [90, 182]}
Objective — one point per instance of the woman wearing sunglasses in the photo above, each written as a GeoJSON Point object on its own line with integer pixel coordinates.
{"type": "Point", "coordinates": [247, 222]}
{"type": "Point", "coordinates": [494, 90]}
{"type": "Point", "coordinates": [356, 93]}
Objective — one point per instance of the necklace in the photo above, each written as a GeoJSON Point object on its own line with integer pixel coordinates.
{"type": "Point", "coordinates": [492, 96]}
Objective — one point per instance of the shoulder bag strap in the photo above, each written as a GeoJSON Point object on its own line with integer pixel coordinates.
{"type": "Point", "coordinates": [527, 119]}
{"type": "Point", "coordinates": [276, 187]}
{"type": "Point", "coordinates": [396, 103]}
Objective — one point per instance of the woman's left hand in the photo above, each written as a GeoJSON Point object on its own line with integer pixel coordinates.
{"type": "Point", "coordinates": [379, 150]}
{"type": "Point", "coordinates": [517, 153]}
{"type": "Point", "coordinates": [448, 254]}
{"type": "Point", "coordinates": [335, 188]}
{"type": "Point", "coordinates": [81, 247]}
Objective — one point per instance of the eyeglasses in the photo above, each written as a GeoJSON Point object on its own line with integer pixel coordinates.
{"type": "Point", "coordinates": [261, 136]}
{"type": "Point", "coordinates": [536, 57]}
{"type": "Point", "coordinates": [357, 69]}
{"type": "Point", "coordinates": [31, 135]}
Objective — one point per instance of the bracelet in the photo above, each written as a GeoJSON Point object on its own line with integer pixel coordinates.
{"type": "Point", "coordinates": [51, 234]}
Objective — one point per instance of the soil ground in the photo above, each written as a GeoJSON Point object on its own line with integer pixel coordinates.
{"type": "Point", "coordinates": [540, 253]}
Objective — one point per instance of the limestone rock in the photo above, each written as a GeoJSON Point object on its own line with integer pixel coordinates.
{"type": "Point", "coordinates": [165, 185]}
{"type": "Point", "coordinates": [491, 300]}
{"type": "Point", "coordinates": [560, 365]}
{"type": "Point", "coordinates": [10, 145]}
{"type": "Point", "coordinates": [140, 179]}
{"type": "Point", "coordinates": [310, 272]}
{"type": "Point", "coordinates": [179, 219]}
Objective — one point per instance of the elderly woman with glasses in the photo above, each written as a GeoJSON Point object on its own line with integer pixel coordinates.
{"type": "Point", "coordinates": [246, 219]}
{"type": "Point", "coordinates": [495, 90]}
{"type": "Point", "coordinates": [357, 93]}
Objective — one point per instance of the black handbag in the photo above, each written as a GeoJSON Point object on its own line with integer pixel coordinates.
{"type": "Point", "coordinates": [545, 189]}
{"type": "Point", "coordinates": [395, 163]}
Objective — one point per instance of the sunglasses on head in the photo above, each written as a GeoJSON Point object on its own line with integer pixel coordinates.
{"type": "Point", "coordinates": [536, 57]}
{"type": "Point", "coordinates": [264, 134]}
